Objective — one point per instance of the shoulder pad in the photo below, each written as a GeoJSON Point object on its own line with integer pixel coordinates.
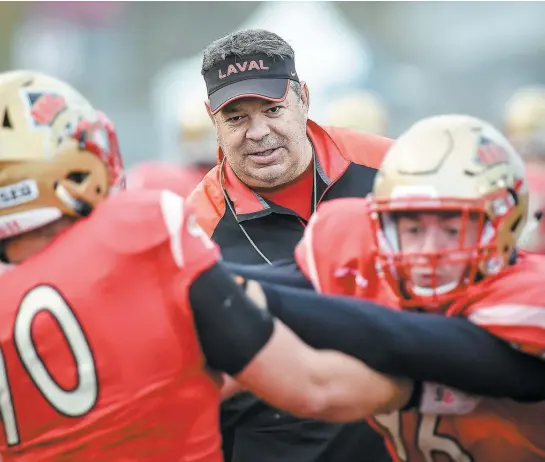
{"type": "Point", "coordinates": [137, 220]}
{"type": "Point", "coordinates": [336, 250]}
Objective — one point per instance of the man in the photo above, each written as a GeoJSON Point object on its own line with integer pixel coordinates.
{"type": "Point", "coordinates": [269, 152]}
{"type": "Point", "coordinates": [115, 310]}
{"type": "Point", "coordinates": [447, 209]}
{"type": "Point", "coordinates": [274, 167]}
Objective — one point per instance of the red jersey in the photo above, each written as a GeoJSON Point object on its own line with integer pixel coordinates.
{"type": "Point", "coordinates": [337, 250]}
{"type": "Point", "coordinates": [99, 357]}
{"type": "Point", "coordinates": [496, 431]}
{"type": "Point", "coordinates": [511, 305]}
{"type": "Point", "coordinates": [163, 175]}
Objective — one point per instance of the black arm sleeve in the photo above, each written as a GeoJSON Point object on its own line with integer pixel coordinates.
{"type": "Point", "coordinates": [423, 347]}
{"type": "Point", "coordinates": [285, 274]}
{"type": "Point", "coordinates": [231, 329]}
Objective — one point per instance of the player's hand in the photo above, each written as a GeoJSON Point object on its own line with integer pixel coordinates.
{"type": "Point", "coordinates": [217, 377]}
{"type": "Point", "coordinates": [230, 387]}
{"type": "Point", "coordinates": [253, 291]}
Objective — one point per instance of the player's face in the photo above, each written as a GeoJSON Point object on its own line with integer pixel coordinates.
{"type": "Point", "coordinates": [439, 235]}
{"type": "Point", "coordinates": [263, 141]}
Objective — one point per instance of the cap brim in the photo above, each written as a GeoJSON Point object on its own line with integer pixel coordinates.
{"type": "Point", "coordinates": [268, 89]}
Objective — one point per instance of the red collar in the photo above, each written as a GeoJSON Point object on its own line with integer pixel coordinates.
{"type": "Point", "coordinates": [330, 163]}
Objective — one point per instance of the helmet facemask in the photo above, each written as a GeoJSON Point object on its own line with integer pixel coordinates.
{"type": "Point", "coordinates": [455, 169]}
{"type": "Point", "coordinates": [430, 250]}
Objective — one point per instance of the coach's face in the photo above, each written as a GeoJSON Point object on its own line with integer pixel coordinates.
{"type": "Point", "coordinates": [264, 141]}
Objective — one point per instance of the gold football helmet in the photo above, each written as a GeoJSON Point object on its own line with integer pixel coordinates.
{"type": "Point", "coordinates": [359, 110]}
{"type": "Point", "coordinates": [459, 165]}
{"type": "Point", "coordinates": [58, 155]}
{"type": "Point", "coordinates": [525, 112]}
{"type": "Point", "coordinates": [197, 135]}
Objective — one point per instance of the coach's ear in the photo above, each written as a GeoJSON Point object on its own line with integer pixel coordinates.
{"type": "Point", "coordinates": [305, 97]}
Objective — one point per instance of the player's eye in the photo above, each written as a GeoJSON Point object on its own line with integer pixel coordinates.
{"type": "Point", "coordinates": [413, 230]}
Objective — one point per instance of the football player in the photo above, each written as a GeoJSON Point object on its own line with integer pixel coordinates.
{"type": "Point", "coordinates": [164, 175]}
{"type": "Point", "coordinates": [524, 124]}
{"type": "Point", "coordinates": [116, 307]}
{"type": "Point", "coordinates": [358, 110]}
{"type": "Point", "coordinates": [197, 142]}
{"type": "Point", "coordinates": [447, 208]}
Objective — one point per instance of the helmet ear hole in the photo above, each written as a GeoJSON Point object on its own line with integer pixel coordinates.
{"type": "Point", "coordinates": [514, 195]}
{"type": "Point", "coordinates": [77, 177]}
{"type": "Point", "coordinates": [6, 121]}
{"type": "Point", "coordinates": [516, 224]}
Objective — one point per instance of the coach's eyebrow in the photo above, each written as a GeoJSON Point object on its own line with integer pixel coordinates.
{"type": "Point", "coordinates": [230, 108]}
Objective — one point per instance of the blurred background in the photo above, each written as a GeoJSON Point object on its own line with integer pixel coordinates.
{"type": "Point", "coordinates": [376, 66]}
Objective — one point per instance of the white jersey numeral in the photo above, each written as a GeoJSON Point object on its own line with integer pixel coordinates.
{"type": "Point", "coordinates": [428, 441]}
{"type": "Point", "coordinates": [75, 402]}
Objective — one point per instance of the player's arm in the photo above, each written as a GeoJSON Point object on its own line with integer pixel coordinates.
{"type": "Point", "coordinates": [456, 338]}
{"type": "Point", "coordinates": [271, 361]}
{"type": "Point", "coordinates": [287, 273]}
{"type": "Point", "coordinates": [245, 342]}
{"type": "Point", "coordinates": [424, 347]}
{"type": "Point", "coordinates": [230, 387]}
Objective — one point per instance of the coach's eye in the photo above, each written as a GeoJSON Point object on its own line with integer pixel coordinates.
{"type": "Point", "coordinates": [235, 119]}
{"type": "Point", "coordinates": [275, 109]}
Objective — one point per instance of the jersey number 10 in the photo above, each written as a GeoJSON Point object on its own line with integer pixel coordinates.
{"type": "Point", "coordinates": [73, 403]}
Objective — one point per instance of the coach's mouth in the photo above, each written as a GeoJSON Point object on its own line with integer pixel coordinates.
{"type": "Point", "coordinates": [265, 157]}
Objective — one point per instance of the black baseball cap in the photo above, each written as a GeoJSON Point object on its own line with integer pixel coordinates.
{"type": "Point", "coordinates": [249, 76]}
